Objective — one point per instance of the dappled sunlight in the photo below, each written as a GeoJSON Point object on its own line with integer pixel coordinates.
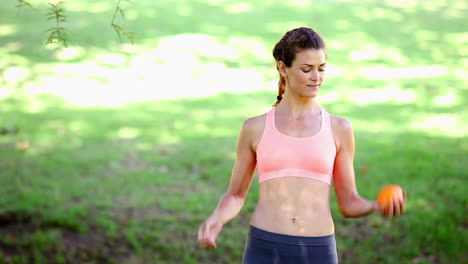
{"type": "Point", "coordinates": [128, 133]}
{"type": "Point", "coordinates": [369, 14]}
{"type": "Point", "coordinates": [297, 3]}
{"type": "Point", "coordinates": [195, 45]}
{"type": "Point", "coordinates": [281, 27]}
{"type": "Point", "coordinates": [12, 46]}
{"type": "Point", "coordinates": [111, 59]}
{"type": "Point", "coordinates": [16, 74]}
{"type": "Point", "coordinates": [386, 73]}
{"type": "Point", "coordinates": [69, 53]}
{"type": "Point", "coordinates": [100, 126]}
{"type": "Point", "coordinates": [7, 29]}
{"type": "Point", "coordinates": [329, 97]}
{"type": "Point", "coordinates": [372, 51]}
{"type": "Point", "coordinates": [447, 99]}
{"type": "Point", "coordinates": [184, 10]}
{"type": "Point", "coordinates": [172, 70]}
{"type": "Point", "coordinates": [251, 48]}
{"type": "Point", "coordinates": [215, 2]}
{"type": "Point", "coordinates": [93, 7]}
{"type": "Point", "coordinates": [444, 124]}
{"type": "Point", "coordinates": [238, 7]}
{"type": "Point", "coordinates": [5, 92]}
{"type": "Point", "coordinates": [462, 74]}
{"type": "Point", "coordinates": [390, 93]}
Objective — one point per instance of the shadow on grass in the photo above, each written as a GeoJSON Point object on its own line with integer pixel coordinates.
{"type": "Point", "coordinates": [132, 184]}
{"type": "Point", "coordinates": [417, 34]}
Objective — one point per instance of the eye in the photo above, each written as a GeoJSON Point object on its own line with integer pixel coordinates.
{"type": "Point", "coordinates": [322, 69]}
{"type": "Point", "coordinates": [306, 71]}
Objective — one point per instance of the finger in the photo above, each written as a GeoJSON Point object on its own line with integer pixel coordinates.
{"type": "Point", "coordinates": [390, 208]}
{"type": "Point", "coordinates": [206, 229]}
{"type": "Point", "coordinates": [203, 231]}
{"type": "Point", "coordinates": [396, 205]}
{"type": "Point", "coordinates": [200, 232]}
{"type": "Point", "coordinates": [212, 243]}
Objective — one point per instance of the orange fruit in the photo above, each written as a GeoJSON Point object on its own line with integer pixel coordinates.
{"type": "Point", "coordinates": [388, 193]}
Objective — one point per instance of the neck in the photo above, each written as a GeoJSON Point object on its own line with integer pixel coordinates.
{"type": "Point", "coordinates": [298, 107]}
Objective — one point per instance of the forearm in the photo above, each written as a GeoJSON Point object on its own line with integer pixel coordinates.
{"type": "Point", "coordinates": [229, 206]}
{"type": "Point", "coordinates": [356, 206]}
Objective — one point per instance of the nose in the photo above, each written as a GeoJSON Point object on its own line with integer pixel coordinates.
{"type": "Point", "coordinates": [314, 75]}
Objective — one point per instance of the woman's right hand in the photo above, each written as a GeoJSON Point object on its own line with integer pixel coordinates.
{"type": "Point", "coordinates": [208, 232]}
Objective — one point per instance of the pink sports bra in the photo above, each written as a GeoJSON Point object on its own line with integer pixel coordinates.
{"type": "Point", "coordinates": [280, 155]}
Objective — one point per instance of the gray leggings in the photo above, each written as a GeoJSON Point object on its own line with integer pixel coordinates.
{"type": "Point", "coordinates": [264, 247]}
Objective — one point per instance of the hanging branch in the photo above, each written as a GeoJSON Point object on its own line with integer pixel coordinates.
{"type": "Point", "coordinates": [120, 29]}
{"type": "Point", "coordinates": [22, 3]}
{"type": "Point", "coordinates": [57, 33]}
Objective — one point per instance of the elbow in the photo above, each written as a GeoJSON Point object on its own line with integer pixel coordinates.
{"type": "Point", "coordinates": [347, 207]}
{"type": "Point", "coordinates": [347, 213]}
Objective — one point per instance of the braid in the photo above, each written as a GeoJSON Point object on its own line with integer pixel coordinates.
{"type": "Point", "coordinates": [281, 90]}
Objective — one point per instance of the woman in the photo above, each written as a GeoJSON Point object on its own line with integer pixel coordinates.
{"type": "Point", "coordinates": [298, 149]}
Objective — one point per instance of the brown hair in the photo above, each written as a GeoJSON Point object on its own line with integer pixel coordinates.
{"type": "Point", "coordinates": [291, 43]}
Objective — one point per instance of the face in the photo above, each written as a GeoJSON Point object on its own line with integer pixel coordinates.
{"type": "Point", "coordinates": [306, 74]}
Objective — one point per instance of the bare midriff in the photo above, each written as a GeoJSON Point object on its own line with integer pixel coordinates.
{"type": "Point", "coordinates": [294, 206]}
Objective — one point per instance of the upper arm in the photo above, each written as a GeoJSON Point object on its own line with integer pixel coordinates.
{"type": "Point", "coordinates": [343, 171]}
{"type": "Point", "coordinates": [244, 166]}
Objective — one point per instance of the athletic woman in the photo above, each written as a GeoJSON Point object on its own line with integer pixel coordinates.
{"type": "Point", "coordinates": [298, 149]}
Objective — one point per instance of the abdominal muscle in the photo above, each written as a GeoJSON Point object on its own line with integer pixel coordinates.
{"type": "Point", "coordinates": [294, 206]}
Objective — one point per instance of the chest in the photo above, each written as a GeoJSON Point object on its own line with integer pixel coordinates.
{"type": "Point", "coordinates": [301, 128]}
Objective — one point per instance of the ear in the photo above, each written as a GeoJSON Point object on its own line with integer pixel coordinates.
{"type": "Point", "coordinates": [281, 68]}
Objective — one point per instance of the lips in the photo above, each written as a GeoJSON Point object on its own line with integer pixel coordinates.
{"type": "Point", "coordinates": [313, 85]}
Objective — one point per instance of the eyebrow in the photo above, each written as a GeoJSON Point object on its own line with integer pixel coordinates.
{"type": "Point", "coordinates": [310, 65]}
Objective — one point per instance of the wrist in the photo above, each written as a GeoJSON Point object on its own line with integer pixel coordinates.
{"type": "Point", "coordinates": [215, 217]}
{"type": "Point", "coordinates": [375, 207]}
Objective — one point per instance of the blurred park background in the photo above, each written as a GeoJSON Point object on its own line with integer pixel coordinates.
{"type": "Point", "coordinates": [115, 153]}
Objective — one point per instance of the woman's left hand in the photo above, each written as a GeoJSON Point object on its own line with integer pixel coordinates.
{"type": "Point", "coordinates": [394, 208]}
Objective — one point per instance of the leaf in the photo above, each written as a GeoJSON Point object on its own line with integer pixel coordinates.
{"type": "Point", "coordinates": [121, 12]}
{"type": "Point", "coordinates": [117, 30]}
{"type": "Point", "coordinates": [117, 27]}
{"type": "Point", "coordinates": [23, 3]}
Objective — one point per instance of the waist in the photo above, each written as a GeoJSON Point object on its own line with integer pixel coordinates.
{"type": "Point", "coordinates": [289, 219]}
{"type": "Point", "coordinates": [291, 239]}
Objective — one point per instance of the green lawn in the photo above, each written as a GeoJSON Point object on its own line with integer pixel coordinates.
{"type": "Point", "coordinates": [105, 179]}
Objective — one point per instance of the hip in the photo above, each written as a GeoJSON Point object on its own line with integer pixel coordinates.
{"type": "Point", "coordinates": [263, 246]}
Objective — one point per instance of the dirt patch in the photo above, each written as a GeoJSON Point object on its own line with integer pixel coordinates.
{"type": "Point", "coordinates": [70, 247]}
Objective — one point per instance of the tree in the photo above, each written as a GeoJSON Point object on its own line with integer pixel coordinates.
{"type": "Point", "coordinates": [56, 12]}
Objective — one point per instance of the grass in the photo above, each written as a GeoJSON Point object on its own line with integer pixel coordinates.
{"type": "Point", "coordinates": [131, 182]}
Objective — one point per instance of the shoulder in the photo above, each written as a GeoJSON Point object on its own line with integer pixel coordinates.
{"type": "Point", "coordinates": [252, 130]}
{"type": "Point", "coordinates": [340, 124]}
{"type": "Point", "coordinates": [342, 130]}
{"type": "Point", "coordinates": [254, 124]}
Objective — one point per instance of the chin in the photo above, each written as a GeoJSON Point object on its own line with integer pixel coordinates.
{"type": "Point", "coordinates": [312, 95]}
